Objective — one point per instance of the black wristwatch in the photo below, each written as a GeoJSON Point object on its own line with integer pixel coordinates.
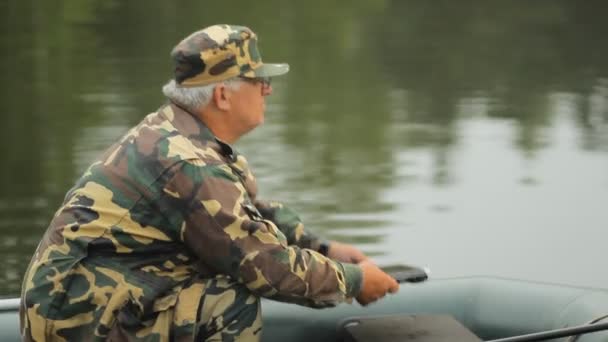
{"type": "Point", "coordinates": [324, 248]}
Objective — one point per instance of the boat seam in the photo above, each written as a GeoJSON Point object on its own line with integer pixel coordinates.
{"type": "Point", "coordinates": [574, 300]}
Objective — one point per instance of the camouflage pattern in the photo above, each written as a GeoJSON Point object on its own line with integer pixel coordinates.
{"type": "Point", "coordinates": [218, 53]}
{"type": "Point", "coordinates": [163, 238]}
{"type": "Point", "coordinates": [289, 223]}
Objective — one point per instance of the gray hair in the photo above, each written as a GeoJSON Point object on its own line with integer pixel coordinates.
{"type": "Point", "coordinates": [194, 98]}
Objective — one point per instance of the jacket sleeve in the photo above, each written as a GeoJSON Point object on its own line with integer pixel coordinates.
{"type": "Point", "coordinates": [227, 232]}
{"type": "Point", "coordinates": [289, 223]}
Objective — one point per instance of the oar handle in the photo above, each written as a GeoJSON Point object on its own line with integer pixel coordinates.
{"type": "Point", "coordinates": [557, 333]}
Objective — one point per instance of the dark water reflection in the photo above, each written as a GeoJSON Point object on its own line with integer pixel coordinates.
{"type": "Point", "coordinates": [468, 136]}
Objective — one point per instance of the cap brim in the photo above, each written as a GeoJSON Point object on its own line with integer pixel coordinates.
{"type": "Point", "coordinates": [270, 70]}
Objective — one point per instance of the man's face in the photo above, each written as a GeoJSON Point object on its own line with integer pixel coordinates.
{"type": "Point", "coordinates": [248, 104]}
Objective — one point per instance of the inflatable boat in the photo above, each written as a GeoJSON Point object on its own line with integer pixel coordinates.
{"type": "Point", "coordinates": [487, 308]}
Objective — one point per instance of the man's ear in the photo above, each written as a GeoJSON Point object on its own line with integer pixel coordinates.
{"type": "Point", "coordinates": [221, 97]}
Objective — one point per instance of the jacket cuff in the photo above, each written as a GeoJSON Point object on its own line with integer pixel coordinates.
{"type": "Point", "coordinates": [353, 278]}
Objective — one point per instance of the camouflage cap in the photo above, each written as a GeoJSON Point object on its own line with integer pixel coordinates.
{"type": "Point", "coordinates": [218, 53]}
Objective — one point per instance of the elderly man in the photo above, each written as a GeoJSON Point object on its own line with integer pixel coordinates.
{"type": "Point", "coordinates": [163, 238]}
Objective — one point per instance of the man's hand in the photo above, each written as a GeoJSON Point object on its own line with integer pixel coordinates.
{"type": "Point", "coordinates": [345, 253]}
{"type": "Point", "coordinates": [376, 284]}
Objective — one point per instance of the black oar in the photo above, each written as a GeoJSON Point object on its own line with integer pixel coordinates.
{"type": "Point", "coordinates": [557, 333]}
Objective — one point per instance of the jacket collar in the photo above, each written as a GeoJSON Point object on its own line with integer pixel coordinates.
{"type": "Point", "coordinates": [195, 129]}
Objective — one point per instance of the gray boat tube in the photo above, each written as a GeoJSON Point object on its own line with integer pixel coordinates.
{"type": "Point", "coordinates": [490, 307]}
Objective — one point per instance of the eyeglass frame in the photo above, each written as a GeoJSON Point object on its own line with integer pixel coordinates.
{"type": "Point", "coordinates": [255, 80]}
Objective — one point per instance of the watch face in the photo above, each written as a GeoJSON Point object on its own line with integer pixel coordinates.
{"type": "Point", "coordinates": [324, 248]}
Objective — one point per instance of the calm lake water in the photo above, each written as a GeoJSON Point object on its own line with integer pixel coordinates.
{"type": "Point", "coordinates": [467, 136]}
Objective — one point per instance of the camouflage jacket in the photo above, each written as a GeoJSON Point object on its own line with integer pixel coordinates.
{"type": "Point", "coordinates": [166, 203]}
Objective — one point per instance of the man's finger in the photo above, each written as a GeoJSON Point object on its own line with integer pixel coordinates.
{"type": "Point", "coordinates": [394, 287]}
